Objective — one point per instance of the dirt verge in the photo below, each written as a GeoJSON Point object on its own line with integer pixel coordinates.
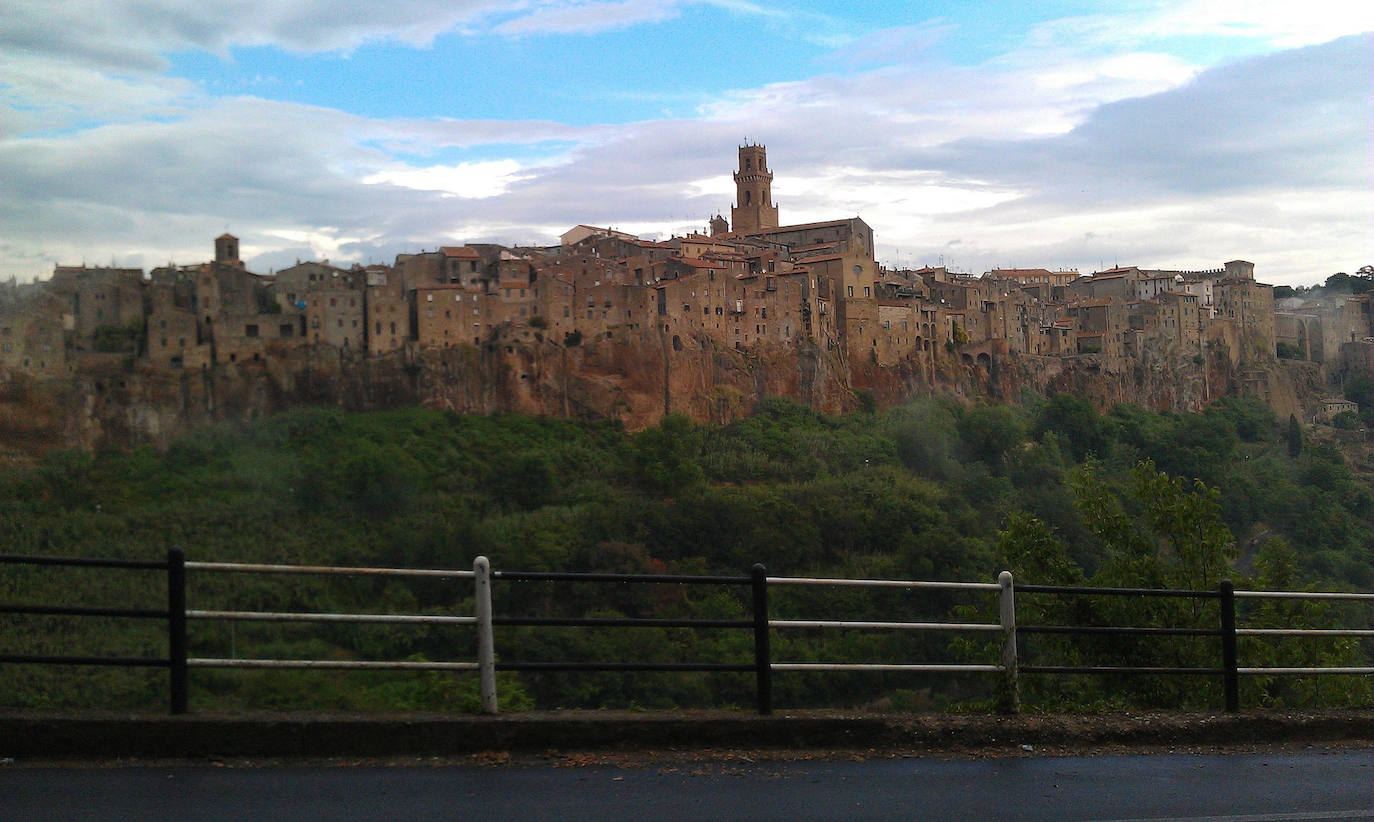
{"type": "Point", "coordinates": [104, 736]}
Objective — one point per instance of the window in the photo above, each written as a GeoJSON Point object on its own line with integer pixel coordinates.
{"type": "Point", "coordinates": [250, 331]}
{"type": "Point", "coordinates": [851, 291]}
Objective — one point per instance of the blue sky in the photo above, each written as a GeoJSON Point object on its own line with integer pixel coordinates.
{"type": "Point", "coordinates": [1069, 134]}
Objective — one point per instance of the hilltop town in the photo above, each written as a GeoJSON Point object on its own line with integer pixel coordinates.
{"type": "Point", "coordinates": [607, 324]}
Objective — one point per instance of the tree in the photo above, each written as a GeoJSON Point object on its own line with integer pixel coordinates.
{"type": "Point", "coordinates": [665, 458]}
{"type": "Point", "coordinates": [990, 431]}
{"type": "Point", "coordinates": [1077, 423]}
{"type": "Point", "coordinates": [1294, 437]}
{"type": "Point", "coordinates": [1358, 284]}
{"type": "Point", "coordinates": [1034, 554]}
{"type": "Point", "coordinates": [1359, 389]}
{"type": "Point", "coordinates": [1172, 535]}
{"type": "Point", "coordinates": [1189, 520]}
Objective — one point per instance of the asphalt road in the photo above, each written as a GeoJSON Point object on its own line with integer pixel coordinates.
{"type": "Point", "coordinates": [1315, 786]}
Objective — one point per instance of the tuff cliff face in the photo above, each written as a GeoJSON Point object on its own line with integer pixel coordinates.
{"type": "Point", "coordinates": [636, 378]}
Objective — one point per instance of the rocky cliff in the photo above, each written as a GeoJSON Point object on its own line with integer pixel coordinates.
{"type": "Point", "coordinates": [634, 377]}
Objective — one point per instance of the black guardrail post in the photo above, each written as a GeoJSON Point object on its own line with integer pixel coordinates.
{"type": "Point", "coordinates": [763, 654]}
{"type": "Point", "coordinates": [176, 628]}
{"type": "Point", "coordinates": [1231, 681]}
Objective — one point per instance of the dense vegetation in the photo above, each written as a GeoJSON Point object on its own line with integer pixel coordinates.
{"type": "Point", "coordinates": [1051, 488]}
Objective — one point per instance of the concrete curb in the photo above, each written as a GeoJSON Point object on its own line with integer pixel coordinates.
{"type": "Point", "coordinates": [101, 736]}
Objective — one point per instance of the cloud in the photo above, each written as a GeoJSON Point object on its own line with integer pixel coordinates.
{"type": "Point", "coordinates": [584, 17]}
{"type": "Point", "coordinates": [1295, 120]}
{"type": "Point", "coordinates": [131, 35]}
{"type": "Point", "coordinates": [1276, 24]}
{"type": "Point", "coordinates": [469, 180]}
{"type": "Point", "coordinates": [1281, 23]}
{"type": "Point", "coordinates": [1040, 156]}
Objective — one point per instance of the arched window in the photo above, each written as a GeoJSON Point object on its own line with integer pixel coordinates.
{"type": "Point", "coordinates": [748, 197]}
{"type": "Point", "coordinates": [748, 164]}
{"type": "Point", "coordinates": [763, 195]}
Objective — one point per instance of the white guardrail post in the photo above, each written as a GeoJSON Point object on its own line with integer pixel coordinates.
{"type": "Point", "coordinates": [486, 647]}
{"type": "Point", "coordinates": [1011, 698]}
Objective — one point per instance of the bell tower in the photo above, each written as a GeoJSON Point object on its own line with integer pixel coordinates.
{"type": "Point", "coordinates": [753, 209]}
{"type": "Point", "coordinates": [227, 250]}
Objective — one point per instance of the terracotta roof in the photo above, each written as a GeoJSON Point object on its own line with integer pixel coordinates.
{"type": "Point", "coordinates": [814, 246]}
{"type": "Point", "coordinates": [801, 226]}
{"type": "Point", "coordinates": [460, 251]}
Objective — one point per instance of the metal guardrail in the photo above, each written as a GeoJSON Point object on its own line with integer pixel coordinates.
{"type": "Point", "coordinates": [174, 614]}
{"type": "Point", "coordinates": [759, 624]}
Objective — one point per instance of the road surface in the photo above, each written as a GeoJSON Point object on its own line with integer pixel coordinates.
{"type": "Point", "coordinates": [1215, 788]}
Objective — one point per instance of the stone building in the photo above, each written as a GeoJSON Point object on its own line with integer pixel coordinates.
{"type": "Point", "coordinates": [98, 300]}
{"type": "Point", "coordinates": [387, 311]}
{"type": "Point", "coordinates": [1249, 305]}
{"type": "Point", "coordinates": [32, 336]}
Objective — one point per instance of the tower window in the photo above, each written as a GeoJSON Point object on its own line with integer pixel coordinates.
{"type": "Point", "coordinates": [748, 197]}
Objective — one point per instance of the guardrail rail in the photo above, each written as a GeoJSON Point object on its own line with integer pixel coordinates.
{"type": "Point", "coordinates": [1009, 665]}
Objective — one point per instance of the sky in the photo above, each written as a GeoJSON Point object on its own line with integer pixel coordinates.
{"type": "Point", "coordinates": [978, 135]}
